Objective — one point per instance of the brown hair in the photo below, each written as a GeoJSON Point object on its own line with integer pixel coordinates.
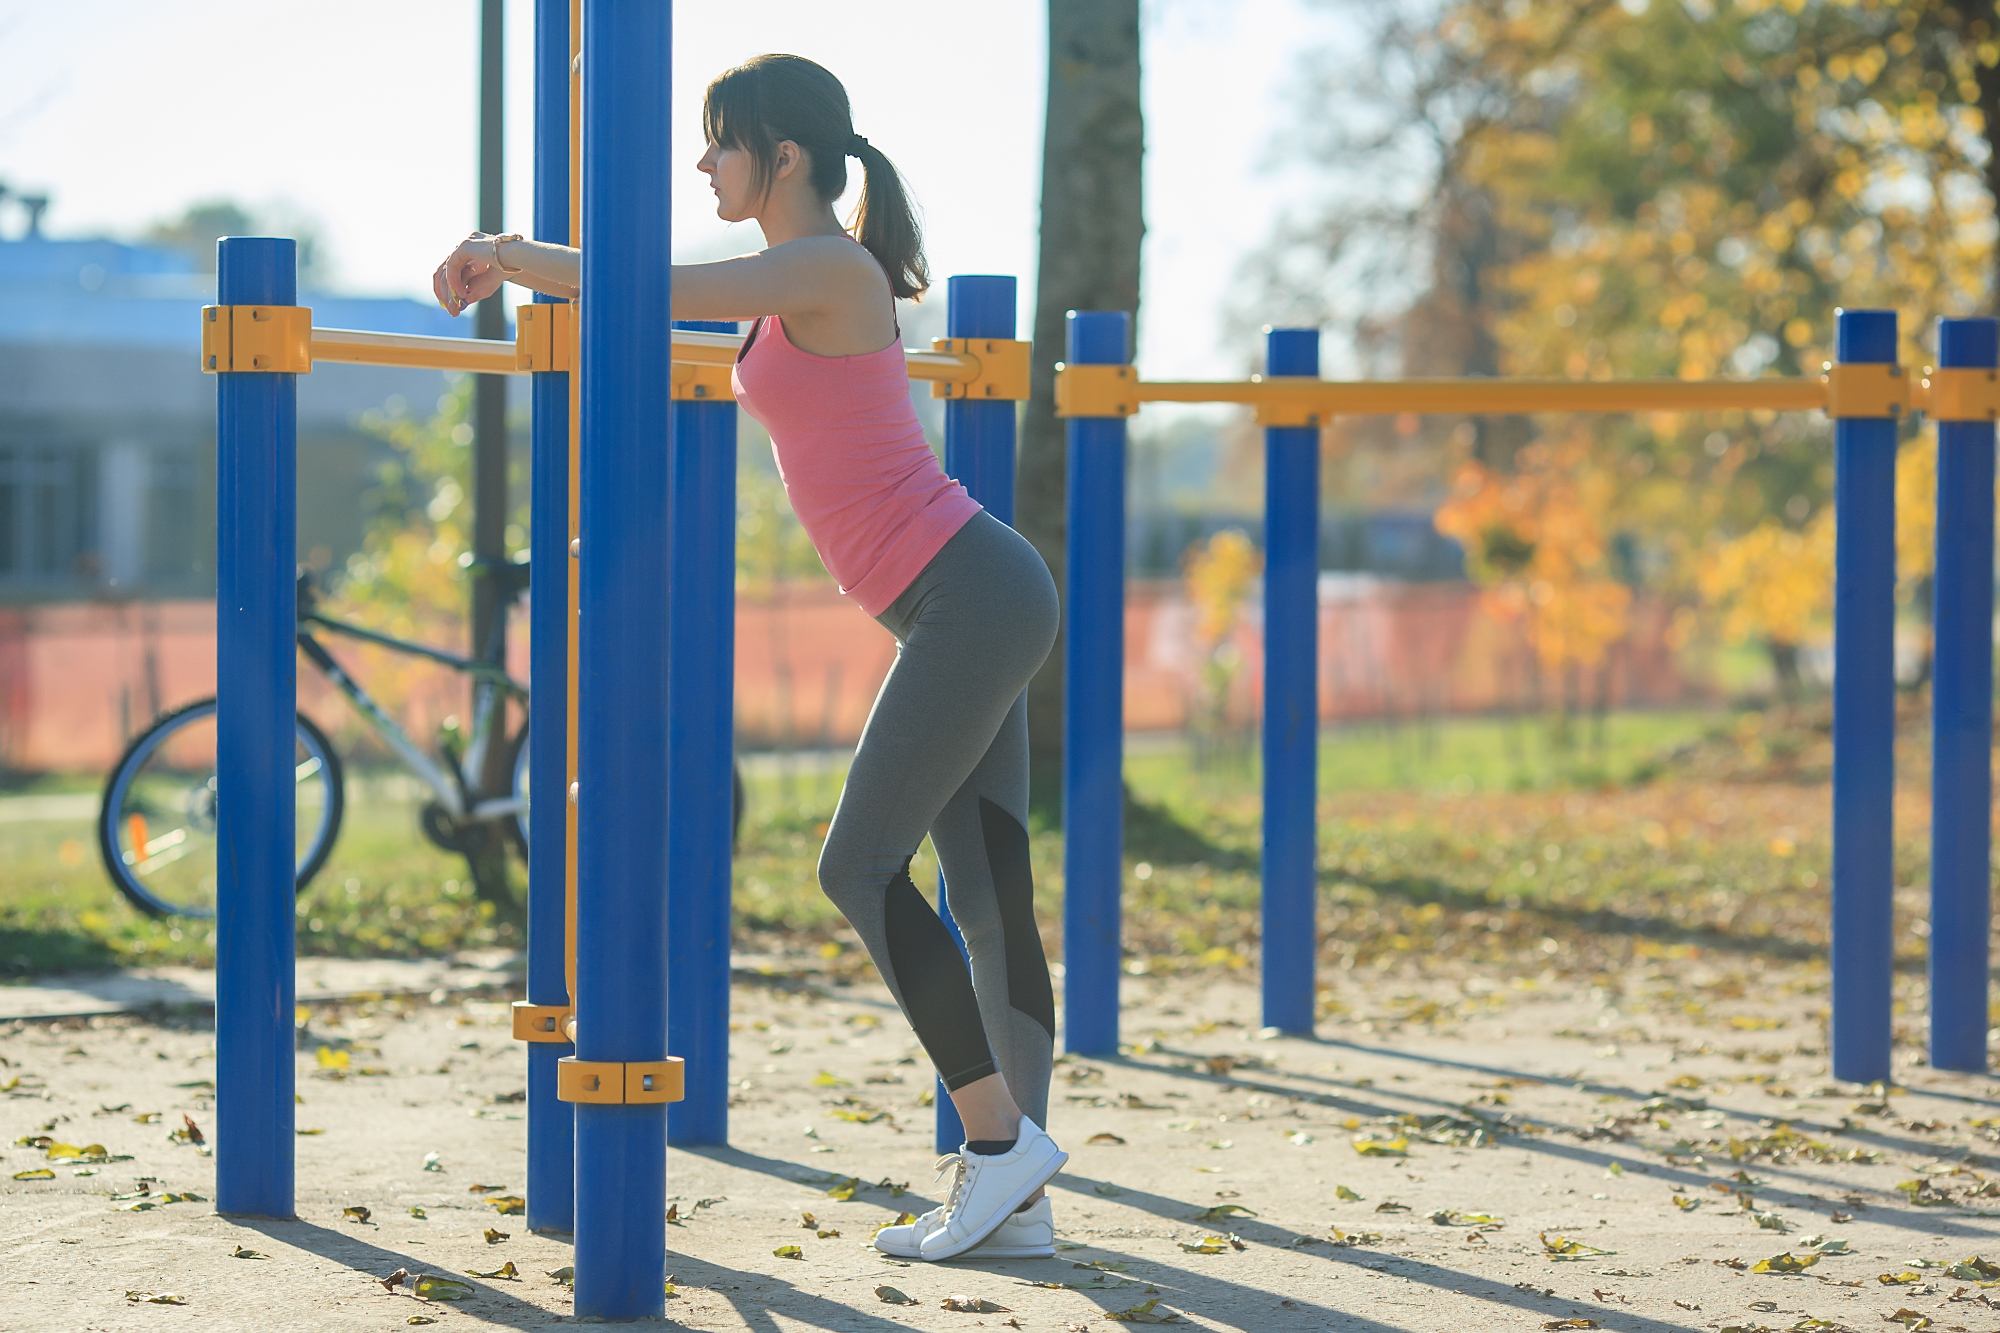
{"type": "Point", "coordinates": [765, 101]}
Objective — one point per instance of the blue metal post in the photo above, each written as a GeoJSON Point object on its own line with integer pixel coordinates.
{"type": "Point", "coordinates": [701, 642]}
{"type": "Point", "coordinates": [979, 451]}
{"type": "Point", "coordinates": [1864, 708]}
{"type": "Point", "coordinates": [551, 1123]}
{"type": "Point", "coordinates": [1291, 696]}
{"type": "Point", "coordinates": [256, 687]}
{"type": "Point", "coordinates": [1094, 701]}
{"type": "Point", "coordinates": [1962, 715]}
{"type": "Point", "coordinates": [622, 732]}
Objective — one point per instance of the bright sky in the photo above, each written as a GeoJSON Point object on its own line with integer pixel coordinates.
{"type": "Point", "coordinates": [360, 117]}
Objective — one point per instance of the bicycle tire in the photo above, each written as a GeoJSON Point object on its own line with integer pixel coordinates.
{"type": "Point", "coordinates": [111, 802]}
{"type": "Point", "coordinates": [517, 769]}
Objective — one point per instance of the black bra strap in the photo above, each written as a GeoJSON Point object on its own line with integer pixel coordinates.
{"type": "Point", "coordinates": [755, 329]}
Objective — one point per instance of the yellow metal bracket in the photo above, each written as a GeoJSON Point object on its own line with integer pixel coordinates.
{"type": "Point", "coordinates": [1282, 413]}
{"type": "Point", "coordinates": [1003, 369]}
{"type": "Point", "coordinates": [1096, 391]}
{"type": "Point", "coordinates": [632, 1083]}
{"type": "Point", "coordinates": [702, 383]}
{"type": "Point", "coordinates": [544, 336]}
{"type": "Point", "coordinates": [1963, 395]}
{"type": "Point", "coordinates": [1864, 390]}
{"type": "Point", "coordinates": [271, 338]}
{"type": "Point", "coordinates": [540, 1022]}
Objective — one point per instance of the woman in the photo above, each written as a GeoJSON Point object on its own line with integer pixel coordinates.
{"type": "Point", "coordinates": [971, 605]}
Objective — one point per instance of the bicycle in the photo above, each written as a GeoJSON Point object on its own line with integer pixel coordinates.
{"type": "Point", "coordinates": [156, 825]}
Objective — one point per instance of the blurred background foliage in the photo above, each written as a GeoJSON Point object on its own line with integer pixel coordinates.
{"type": "Point", "coordinates": [1581, 188]}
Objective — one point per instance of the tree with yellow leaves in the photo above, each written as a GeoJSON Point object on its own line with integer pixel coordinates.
{"type": "Point", "coordinates": [1218, 575]}
{"type": "Point", "coordinates": [1534, 540]}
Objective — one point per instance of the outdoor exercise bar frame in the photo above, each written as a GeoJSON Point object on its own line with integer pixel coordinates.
{"type": "Point", "coordinates": [669, 728]}
{"type": "Point", "coordinates": [1865, 393]}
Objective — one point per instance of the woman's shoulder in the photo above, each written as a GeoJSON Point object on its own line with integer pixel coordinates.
{"type": "Point", "coordinates": [840, 253]}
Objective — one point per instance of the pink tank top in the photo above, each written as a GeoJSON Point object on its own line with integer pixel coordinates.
{"type": "Point", "coordinates": [860, 475]}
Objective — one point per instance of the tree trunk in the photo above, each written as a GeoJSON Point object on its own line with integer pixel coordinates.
{"type": "Point", "coordinates": [1091, 227]}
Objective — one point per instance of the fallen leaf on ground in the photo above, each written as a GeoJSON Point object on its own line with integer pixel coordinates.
{"type": "Point", "coordinates": [433, 1288]}
{"type": "Point", "coordinates": [484, 1189]}
{"type": "Point", "coordinates": [419, 1213]}
{"type": "Point", "coordinates": [901, 1219]}
{"type": "Point", "coordinates": [1345, 1195]}
{"type": "Point", "coordinates": [828, 1233]}
{"type": "Point", "coordinates": [506, 1270]}
{"type": "Point", "coordinates": [1146, 1312]}
{"type": "Point", "coordinates": [1572, 1323]}
{"type": "Point", "coordinates": [1391, 1206]}
{"type": "Point", "coordinates": [508, 1204]}
{"type": "Point", "coordinates": [972, 1305]}
{"type": "Point", "coordinates": [1106, 1189]}
{"type": "Point", "coordinates": [494, 1237]}
{"type": "Point", "coordinates": [358, 1213]}
{"type": "Point", "coordinates": [1350, 1239]}
{"type": "Point", "coordinates": [1560, 1249]}
{"type": "Point", "coordinates": [420, 1319]}
{"type": "Point", "coordinates": [1451, 1217]}
{"type": "Point", "coordinates": [41, 1173]}
{"type": "Point", "coordinates": [432, 1162]}
{"type": "Point", "coordinates": [240, 1253]}
{"type": "Point", "coordinates": [1901, 1279]}
{"type": "Point", "coordinates": [1686, 1204]}
{"type": "Point", "coordinates": [891, 1296]}
{"type": "Point", "coordinates": [823, 1079]}
{"type": "Point", "coordinates": [1109, 1140]}
{"type": "Point", "coordinates": [1784, 1263]}
{"type": "Point", "coordinates": [845, 1190]}
{"type": "Point", "coordinates": [1396, 1147]}
{"type": "Point", "coordinates": [789, 1252]}
{"type": "Point", "coordinates": [1222, 1212]}
{"type": "Point", "coordinates": [1974, 1269]}
{"type": "Point", "coordinates": [1908, 1319]}
{"type": "Point", "coordinates": [162, 1298]}
{"type": "Point", "coordinates": [1301, 1138]}
{"type": "Point", "coordinates": [567, 1273]}
{"type": "Point", "coordinates": [1823, 1245]}
{"type": "Point", "coordinates": [1212, 1245]}
{"type": "Point", "coordinates": [808, 1221]}
{"type": "Point", "coordinates": [674, 1213]}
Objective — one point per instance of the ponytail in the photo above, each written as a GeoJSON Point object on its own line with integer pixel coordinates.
{"type": "Point", "coordinates": [886, 224]}
{"type": "Point", "coordinates": [765, 101]}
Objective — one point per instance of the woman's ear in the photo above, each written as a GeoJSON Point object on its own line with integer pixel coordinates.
{"type": "Point", "coordinates": [788, 158]}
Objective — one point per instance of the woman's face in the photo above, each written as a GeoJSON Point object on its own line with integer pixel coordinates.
{"type": "Point", "coordinates": [731, 174]}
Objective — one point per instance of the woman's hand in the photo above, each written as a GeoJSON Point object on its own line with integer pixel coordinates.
{"type": "Point", "coordinates": [468, 274]}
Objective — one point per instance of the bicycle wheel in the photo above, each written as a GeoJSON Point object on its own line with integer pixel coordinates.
{"type": "Point", "coordinates": [156, 827]}
{"type": "Point", "coordinates": [517, 823]}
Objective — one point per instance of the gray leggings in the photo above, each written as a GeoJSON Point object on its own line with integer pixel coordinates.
{"type": "Point", "coordinates": [945, 751]}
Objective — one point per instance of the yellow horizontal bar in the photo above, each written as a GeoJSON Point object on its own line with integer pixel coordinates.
{"type": "Point", "coordinates": [492, 357]}
{"type": "Point", "coordinates": [355, 347]}
{"type": "Point", "coordinates": [1452, 396]}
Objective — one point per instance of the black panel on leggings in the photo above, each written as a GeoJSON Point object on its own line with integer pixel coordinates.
{"type": "Point", "coordinates": [935, 984]}
{"type": "Point", "coordinates": [1028, 987]}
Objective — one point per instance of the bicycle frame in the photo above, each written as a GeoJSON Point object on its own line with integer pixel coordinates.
{"type": "Point", "coordinates": [492, 688]}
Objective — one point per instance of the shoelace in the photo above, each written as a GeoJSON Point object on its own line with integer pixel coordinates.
{"type": "Point", "coordinates": [955, 1164]}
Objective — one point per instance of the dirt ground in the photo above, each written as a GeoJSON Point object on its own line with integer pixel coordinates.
{"type": "Point", "coordinates": [1520, 1153]}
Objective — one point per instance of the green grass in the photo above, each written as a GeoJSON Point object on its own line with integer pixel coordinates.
{"type": "Point", "coordinates": [1455, 755]}
{"type": "Point", "coordinates": [1476, 837]}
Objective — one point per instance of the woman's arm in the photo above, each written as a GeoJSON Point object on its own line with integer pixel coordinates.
{"type": "Point", "coordinates": [812, 275]}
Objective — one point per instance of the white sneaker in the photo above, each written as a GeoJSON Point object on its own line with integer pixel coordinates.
{"type": "Point", "coordinates": [985, 1190]}
{"type": "Point", "coordinates": [1028, 1233]}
